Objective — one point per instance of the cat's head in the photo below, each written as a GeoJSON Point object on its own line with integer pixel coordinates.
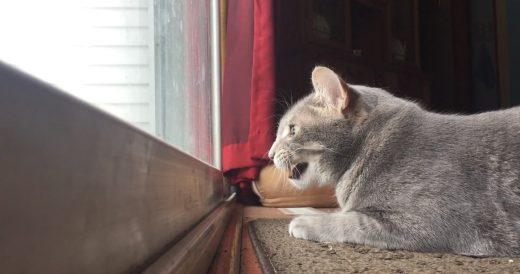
{"type": "Point", "coordinates": [316, 129]}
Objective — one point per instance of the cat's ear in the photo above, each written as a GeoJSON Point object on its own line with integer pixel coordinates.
{"type": "Point", "coordinates": [328, 84]}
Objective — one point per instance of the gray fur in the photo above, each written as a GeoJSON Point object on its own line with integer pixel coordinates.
{"type": "Point", "coordinates": [406, 178]}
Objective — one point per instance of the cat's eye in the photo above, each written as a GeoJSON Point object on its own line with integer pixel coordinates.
{"type": "Point", "coordinates": [292, 130]}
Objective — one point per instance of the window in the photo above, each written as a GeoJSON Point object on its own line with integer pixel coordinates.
{"type": "Point", "coordinates": [182, 37]}
{"type": "Point", "coordinates": [147, 62]}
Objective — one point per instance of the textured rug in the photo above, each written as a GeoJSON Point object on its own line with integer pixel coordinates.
{"type": "Point", "coordinates": [277, 252]}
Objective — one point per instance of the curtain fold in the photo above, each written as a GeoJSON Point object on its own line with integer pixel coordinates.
{"type": "Point", "coordinates": [248, 89]}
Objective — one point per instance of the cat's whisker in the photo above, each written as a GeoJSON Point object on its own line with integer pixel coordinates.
{"type": "Point", "coordinates": [299, 173]}
{"type": "Point", "coordinates": [286, 103]}
{"type": "Point", "coordinates": [270, 100]}
{"type": "Point", "coordinates": [331, 150]}
{"type": "Point", "coordinates": [266, 154]}
{"type": "Point", "coordinates": [281, 175]}
{"type": "Point", "coordinates": [273, 116]}
{"type": "Point", "coordinates": [299, 149]}
{"type": "Point", "coordinates": [317, 149]}
{"type": "Point", "coordinates": [281, 103]}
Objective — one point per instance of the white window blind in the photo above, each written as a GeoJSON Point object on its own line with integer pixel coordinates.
{"type": "Point", "coordinates": [147, 62]}
{"type": "Point", "coordinates": [98, 50]}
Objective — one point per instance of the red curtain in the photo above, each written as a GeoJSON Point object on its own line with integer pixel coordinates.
{"type": "Point", "coordinates": [248, 90]}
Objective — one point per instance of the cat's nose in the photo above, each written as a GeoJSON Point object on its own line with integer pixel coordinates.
{"type": "Point", "coordinates": [271, 153]}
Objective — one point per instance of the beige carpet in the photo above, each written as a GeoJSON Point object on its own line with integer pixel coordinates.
{"type": "Point", "coordinates": [280, 253]}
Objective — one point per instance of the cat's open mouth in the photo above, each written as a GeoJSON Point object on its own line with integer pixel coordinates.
{"type": "Point", "coordinates": [298, 170]}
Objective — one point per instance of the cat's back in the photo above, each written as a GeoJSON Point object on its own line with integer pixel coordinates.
{"type": "Point", "coordinates": [468, 152]}
{"type": "Point", "coordinates": [487, 127]}
{"type": "Point", "coordinates": [509, 117]}
{"type": "Point", "coordinates": [475, 154]}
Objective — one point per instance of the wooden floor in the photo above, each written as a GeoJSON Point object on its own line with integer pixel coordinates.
{"type": "Point", "coordinates": [236, 254]}
{"type": "Point", "coordinates": [248, 261]}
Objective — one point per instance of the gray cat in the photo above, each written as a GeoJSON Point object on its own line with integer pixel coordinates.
{"type": "Point", "coordinates": [405, 178]}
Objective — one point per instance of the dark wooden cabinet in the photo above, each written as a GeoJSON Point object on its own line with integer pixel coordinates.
{"type": "Point", "coordinates": [368, 42]}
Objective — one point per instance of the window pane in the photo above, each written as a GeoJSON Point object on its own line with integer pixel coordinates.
{"type": "Point", "coordinates": [144, 61]}
{"type": "Point", "coordinates": [97, 50]}
{"type": "Point", "coordinates": [183, 76]}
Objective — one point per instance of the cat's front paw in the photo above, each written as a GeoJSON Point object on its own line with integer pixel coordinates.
{"type": "Point", "coordinates": [302, 228]}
